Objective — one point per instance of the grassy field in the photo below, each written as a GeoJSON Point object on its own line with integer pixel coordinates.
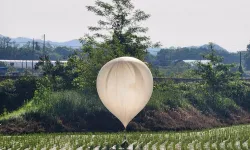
{"type": "Point", "coordinates": [236, 137]}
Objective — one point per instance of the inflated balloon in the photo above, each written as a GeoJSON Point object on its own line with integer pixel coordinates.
{"type": "Point", "coordinates": [125, 85]}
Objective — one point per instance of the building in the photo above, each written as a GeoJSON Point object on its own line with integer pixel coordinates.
{"type": "Point", "coordinates": [193, 63]}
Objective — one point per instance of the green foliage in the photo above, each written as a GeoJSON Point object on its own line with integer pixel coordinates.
{"type": "Point", "coordinates": [167, 56]}
{"type": "Point", "coordinates": [241, 70]}
{"type": "Point", "coordinates": [222, 90]}
{"type": "Point", "coordinates": [121, 20]}
{"type": "Point", "coordinates": [167, 95]}
{"type": "Point", "coordinates": [247, 58]}
{"type": "Point", "coordinates": [47, 102]}
{"type": "Point", "coordinates": [14, 93]}
{"type": "Point", "coordinates": [63, 52]}
{"type": "Point", "coordinates": [60, 75]}
{"type": "Point", "coordinates": [88, 68]}
{"type": "Point", "coordinates": [155, 70]}
{"type": "Point", "coordinates": [177, 70]}
{"type": "Point", "coordinates": [45, 64]}
{"type": "Point", "coordinates": [196, 94]}
{"type": "Point", "coordinates": [66, 104]}
{"type": "Point", "coordinates": [13, 51]}
{"type": "Point", "coordinates": [118, 34]}
{"type": "Point", "coordinates": [43, 91]}
{"type": "Point", "coordinates": [216, 74]}
{"type": "Point", "coordinates": [7, 92]}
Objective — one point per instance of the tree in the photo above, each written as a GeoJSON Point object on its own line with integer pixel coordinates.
{"type": "Point", "coordinates": [247, 58]}
{"type": "Point", "coordinates": [63, 51]}
{"type": "Point", "coordinates": [241, 70]}
{"type": "Point", "coordinates": [4, 42]}
{"type": "Point", "coordinates": [45, 64]}
{"type": "Point", "coordinates": [216, 75]}
{"type": "Point", "coordinates": [118, 34]}
{"type": "Point", "coordinates": [120, 21]}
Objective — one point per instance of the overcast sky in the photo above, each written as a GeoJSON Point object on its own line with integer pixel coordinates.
{"type": "Point", "coordinates": [172, 22]}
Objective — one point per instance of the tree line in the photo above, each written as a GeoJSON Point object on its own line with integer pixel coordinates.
{"type": "Point", "coordinates": [11, 50]}
{"type": "Point", "coordinates": [165, 57]}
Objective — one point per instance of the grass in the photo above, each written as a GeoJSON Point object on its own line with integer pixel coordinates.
{"type": "Point", "coordinates": [69, 102]}
{"type": "Point", "coordinates": [236, 137]}
{"type": "Point", "coordinates": [56, 103]}
{"type": "Point", "coordinates": [17, 113]}
{"type": "Point", "coordinates": [166, 95]}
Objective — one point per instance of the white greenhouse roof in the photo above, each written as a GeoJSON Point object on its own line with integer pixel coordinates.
{"type": "Point", "coordinates": [194, 62]}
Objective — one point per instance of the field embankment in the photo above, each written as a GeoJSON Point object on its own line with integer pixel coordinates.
{"type": "Point", "coordinates": [183, 106]}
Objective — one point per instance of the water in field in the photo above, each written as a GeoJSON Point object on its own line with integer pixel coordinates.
{"type": "Point", "coordinates": [223, 138]}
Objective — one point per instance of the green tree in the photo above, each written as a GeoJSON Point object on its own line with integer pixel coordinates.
{"type": "Point", "coordinates": [120, 27]}
{"type": "Point", "coordinates": [45, 65]}
{"type": "Point", "coordinates": [247, 58]}
{"type": "Point", "coordinates": [118, 34]}
{"type": "Point", "coordinates": [216, 75]}
{"type": "Point", "coordinates": [241, 70]}
{"type": "Point", "coordinates": [63, 51]}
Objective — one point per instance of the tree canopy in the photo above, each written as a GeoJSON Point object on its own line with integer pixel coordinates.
{"type": "Point", "coordinates": [118, 34]}
{"type": "Point", "coordinates": [247, 58]}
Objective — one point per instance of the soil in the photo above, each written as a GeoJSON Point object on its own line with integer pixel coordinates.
{"type": "Point", "coordinates": [103, 121]}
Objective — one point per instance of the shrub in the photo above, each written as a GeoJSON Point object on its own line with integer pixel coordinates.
{"type": "Point", "coordinates": [14, 93]}
{"type": "Point", "coordinates": [167, 95]}
{"type": "Point", "coordinates": [68, 103]}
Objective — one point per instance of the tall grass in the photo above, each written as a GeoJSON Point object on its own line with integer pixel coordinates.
{"type": "Point", "coordinates": [62, 103]}
{"type": "Point", "coordinates": [69, 102]}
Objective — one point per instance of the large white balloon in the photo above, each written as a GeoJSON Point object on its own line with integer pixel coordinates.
{"type": "Point", "coordinates": [125, 85]}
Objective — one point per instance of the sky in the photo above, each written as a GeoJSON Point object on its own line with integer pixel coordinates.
{"type": "Point", "coordinates": [172, 22]}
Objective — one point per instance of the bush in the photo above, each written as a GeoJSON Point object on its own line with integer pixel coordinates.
{"type": "Point", "coordinates": [67, 103]}
{"type": "Point", "coordinates": [167, 95]}
{"type": "Point", "coordinates": [14, 93]}
{"type": "Point", "coordinates": [195, 94]}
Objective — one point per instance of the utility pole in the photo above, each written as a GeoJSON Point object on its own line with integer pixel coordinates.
{"type": "Point", "coordinates": [240, 67]}
{"type": "Point", "coordinates": [7, 44]}
{"type": "Point", "coordinates": [44, 44]}
{"type": "Point", "coordinates": [33, 54]}
{"type": "Point", "coordinates": [4, 44]}
{"type": "Point", "coordinates": [240, 59]}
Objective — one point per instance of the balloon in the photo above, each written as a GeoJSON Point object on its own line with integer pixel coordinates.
{"type": "Point", "coordinates": [124, 85]}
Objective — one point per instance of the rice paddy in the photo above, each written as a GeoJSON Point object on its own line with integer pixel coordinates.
{"type": "Point", "coordinates": [235, 138]}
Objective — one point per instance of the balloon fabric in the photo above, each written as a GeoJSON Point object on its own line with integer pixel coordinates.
{"type": "Point", "coordinates": [125, 85]}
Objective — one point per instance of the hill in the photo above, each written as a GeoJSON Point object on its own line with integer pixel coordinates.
{"type": "Point", "coordinates": [217, 47]}
{"type": "Point", "coordinates": [76, 44]}
{"type": "Point", "coordinates": [23, 40]}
